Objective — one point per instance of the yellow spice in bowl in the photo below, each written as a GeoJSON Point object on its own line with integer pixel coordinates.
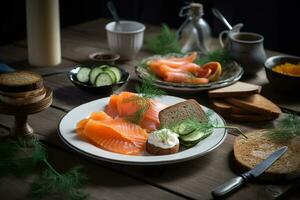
{"type": "Point", "coordinates": [288, 69]}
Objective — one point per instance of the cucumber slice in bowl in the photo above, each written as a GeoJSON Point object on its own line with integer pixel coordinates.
{"type": "Point", "coordinates": [83, 74]}
{"type": "Point", "coordinates": [104, 78]}
{"type": "Point", "coordinates": [117, 72]}
{"type": "Point", "coordinates": [94, 73]}
{"type": "Point", "coordinates": [104, 87]}
{"type": "Point", "coordinates": [112, 75]}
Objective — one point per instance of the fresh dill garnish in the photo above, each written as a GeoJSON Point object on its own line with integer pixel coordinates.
{"type": "Point", "coordinates": [24, 156]}
{"type": "Point", "coordinates": [165, 42]}
{"type": "Point", "coordinates": [146, 91]}
{"type": "Point", "coordinates": [143, 106]}
{"type": "Point", "coordinates": [162, 134]}
{"type": "Point", "coordinates": [221, 55]}
{"type": "Point", "coordinates": [204, 126]}
{"type": "Point", "coordinates": [286, 128]}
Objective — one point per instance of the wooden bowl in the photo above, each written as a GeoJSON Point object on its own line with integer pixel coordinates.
{"type": "Point", "coordinates": [282, 82]}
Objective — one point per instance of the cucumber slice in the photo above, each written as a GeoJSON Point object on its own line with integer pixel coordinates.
{"type": "Point", "coordinates": [104, 66]}
{"type": "Point", "coordinates": [189, 144]}
{"type": "Point", "coordinates": [83, 75]}
{"type": "Point", "coordinates": [194, 136]}
{"type": "Point", "coordinates": [111, 74]}
{"type": "Point", "coordinates": [103, 79]}
{"type": "Point", "coordinates": [186, 128]}
{"type": "Point", "coordinates": [116, 71]}
{"type": "Point", "coordinates": [94, 73]}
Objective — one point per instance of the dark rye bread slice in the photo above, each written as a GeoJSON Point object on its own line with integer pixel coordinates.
{"type": "Point", "coordinates": [189, 109]}
{"type": "Point", "coordinates": [249, 117]}
{"type": "Point", "coordinates": [226, 108]}
{"type": "Point", "coordinates": [257, 104]}
{"type": "Point", "coordinates": [238, 89]}
{"type": "Point", "coordinates": [20, 81]}
{"type": "Point", "coordinates": [249, 152]}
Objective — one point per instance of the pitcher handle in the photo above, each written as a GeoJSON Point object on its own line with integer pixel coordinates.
{"type": "Point", "coordinates": [221, 37]}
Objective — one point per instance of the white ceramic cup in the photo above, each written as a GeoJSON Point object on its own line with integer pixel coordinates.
{"type": "Point", "coordinates": [125, 38]}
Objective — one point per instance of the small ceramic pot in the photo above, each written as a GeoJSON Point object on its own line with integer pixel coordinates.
{"type": "Point", "coordinates": [247, 49]}
{"type": "Point", "coordinates": [104, 58]}
{"type": "Point", "coordinates": [125, 38]}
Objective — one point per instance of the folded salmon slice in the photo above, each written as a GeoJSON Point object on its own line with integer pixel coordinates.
{"type": "Point", "coordinates": [126, 104]}
{"type": "Point", "coordinates": [115, 135]}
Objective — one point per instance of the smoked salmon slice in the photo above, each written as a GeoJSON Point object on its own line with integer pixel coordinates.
{"type": "Point", "coordinates": [126, 104]}
{"type": "Point", "coordinates": [115, 135]}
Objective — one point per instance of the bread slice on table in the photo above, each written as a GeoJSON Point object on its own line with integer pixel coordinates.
{"type": "Point", "coordinates": [249, 117]}
{"type": "Point", "coordinates": [258, 146]}
{"type": "Point", "coordinates": [256, 104]}
{"type": "Point", "coordinates": [189, 109]}
{"type": "Point", "coordinates": [238, 89]}
{"type": "Point", "coordinates": [20, 81]}
{"type": "Point", "coordinates": [226, 108]}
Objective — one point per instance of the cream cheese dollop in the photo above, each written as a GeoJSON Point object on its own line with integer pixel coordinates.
{"type": "Point", "coordinates": [163, 138]}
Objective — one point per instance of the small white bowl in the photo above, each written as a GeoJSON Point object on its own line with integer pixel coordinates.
{"type": "Point", "coordinates": [125, 38]}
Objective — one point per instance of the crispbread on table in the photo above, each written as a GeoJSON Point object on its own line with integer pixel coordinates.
{"type": "Point", "coordinates": [189, 109]}
{"type": "Point", "coordinates": [20, 81]}
{"type": "Point", "coordinates": [238, 89]}
{"type": "Point", "coordinates": [258, 146]}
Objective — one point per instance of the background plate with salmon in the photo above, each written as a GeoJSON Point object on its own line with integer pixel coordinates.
{"type": "Point", "coordinates": [231, 72]}
{"type": "Point", "coordinates": [67, 133]}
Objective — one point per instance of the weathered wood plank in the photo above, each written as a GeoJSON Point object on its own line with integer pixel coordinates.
{"type": "Point", "coordinates": [103, 183]}
{"type": "Point", "coordinates": [194, 179]}
{"type": "Point", "coordinates": [16, 57]}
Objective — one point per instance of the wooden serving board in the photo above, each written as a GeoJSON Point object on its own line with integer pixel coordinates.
{"type": "Point", "coordinates": [250, 152]}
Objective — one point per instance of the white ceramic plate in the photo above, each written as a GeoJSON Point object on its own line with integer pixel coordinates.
{"type": "Point", "coordinates": [67, 133]}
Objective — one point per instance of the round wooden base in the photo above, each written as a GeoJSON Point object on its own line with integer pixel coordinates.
{"type": "Point", "coordinates": [21, 128]}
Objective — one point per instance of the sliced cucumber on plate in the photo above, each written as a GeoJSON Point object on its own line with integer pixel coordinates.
{"type": "Point", "coordinates": [100, 75]}
{"type": "Point", "coordinates": [190, 133]}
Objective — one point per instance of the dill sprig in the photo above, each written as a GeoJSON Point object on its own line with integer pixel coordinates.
{"type": "Point", "coordinates": [23, 156]}
{"type": "Point", "coordinates": [206, 125]}
{"type": "Point", "coordinates": [64, 185]}
{"type": "Point", "coordinates": [143, 105]}
{"type": "Point", "coordinates": [165, 42]}
{"type": "Point", "coordinates": [146, 91]}
{"type": "Point", "coordinates": [286, 128]}
{"type": "Point", "coordinates": [221, 55]}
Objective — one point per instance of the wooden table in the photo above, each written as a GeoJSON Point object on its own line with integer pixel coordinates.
{"type": "Point", "coordinates": [189, 180]}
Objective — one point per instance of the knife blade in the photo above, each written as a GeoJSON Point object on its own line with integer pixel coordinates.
{"type": "Point", "coordinates": [235, 183]}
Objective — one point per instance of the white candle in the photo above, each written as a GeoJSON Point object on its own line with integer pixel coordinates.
{"type": "Point", "coordinates": [43, 33]}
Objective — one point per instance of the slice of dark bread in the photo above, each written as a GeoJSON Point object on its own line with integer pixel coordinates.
{"type": "Point", "coordinates": [189, 109]}
{"type": "Point", "coordinates": [20, 81]}
{"type": "Point", "coordinates": [249, 117]}
{"type": "Point", "coordinates": [238, 89]}
{"type": "Point", "coordinates": [224, 107]}
{"type": "Point", "coordinates": [258, 146]}
{"type": "Point", "coordinates": [257, 104]}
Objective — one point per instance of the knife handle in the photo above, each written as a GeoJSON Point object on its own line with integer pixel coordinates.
{"type": "Point", "coordinates": [228, 187]}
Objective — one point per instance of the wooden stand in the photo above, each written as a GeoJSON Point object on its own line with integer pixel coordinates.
{"type": "Point", "coordinates": [21, 128]}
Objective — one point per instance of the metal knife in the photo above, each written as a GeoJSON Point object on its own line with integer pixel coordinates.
{"type": "Point", "coordinates": [235, 183]}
